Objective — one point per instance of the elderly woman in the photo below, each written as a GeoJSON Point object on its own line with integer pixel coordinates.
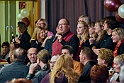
{"type": "Point", "coordinates": [118, 37]}
{"type": "Point", "coordinates": [105, 57]}
{"type": "Point", "coordinates": [63, 71]}
{"type": "Point", "coordinates": [118, 62]}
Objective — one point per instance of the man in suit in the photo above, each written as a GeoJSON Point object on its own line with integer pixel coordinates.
{"type": "Point", "coordinates": [86, 58]}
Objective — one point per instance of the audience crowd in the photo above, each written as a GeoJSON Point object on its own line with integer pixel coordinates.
{"type": "Point", "coordinates": [94, 55]}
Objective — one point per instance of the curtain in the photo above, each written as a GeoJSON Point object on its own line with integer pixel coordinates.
{"type": "Point", "coordinates": [72, 9]}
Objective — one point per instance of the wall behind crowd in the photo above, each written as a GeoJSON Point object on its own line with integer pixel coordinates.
{"type": "Point", "coordinates": [72, 9]}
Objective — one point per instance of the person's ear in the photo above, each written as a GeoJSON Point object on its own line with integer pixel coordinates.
{"type": "Point", "coordinates": [38, 60]}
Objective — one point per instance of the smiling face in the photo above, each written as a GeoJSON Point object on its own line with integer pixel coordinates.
{"type": "Point", "coordinates": [32, 55]}
{"type": "Point", "coordinates": [116, 66]}
{"type": "Point", "coordinates": [115, 37]}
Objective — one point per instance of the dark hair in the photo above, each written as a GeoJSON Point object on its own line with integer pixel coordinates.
{"type": "Point", "coordinates": [88, 52]}
{"type": "Point", "coordinates": [112, 22]}
{"type": "Point", "coordinates": [22, 26]}
{"type": "Point", "coordinates": [69, 48]}
{"type": "Point", "coordinates": [19, 54]}
{"type": "Point", "coordinates": [99, 74]}
{"type": "Point", "coordinates": [5, 44]}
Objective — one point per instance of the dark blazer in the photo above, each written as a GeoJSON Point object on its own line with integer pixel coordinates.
{"type": "Point", "coordinates": [36, 44]}
{"type": "Point", "coordinates": [25, 41]}
{"type": "Point", "coordinates": [85, 76]}
{"type": "Point", "coordinates": [14, 70]}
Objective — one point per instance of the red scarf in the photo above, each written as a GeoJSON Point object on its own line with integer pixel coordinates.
{"type": "Point", "coordinates": [116, 48]}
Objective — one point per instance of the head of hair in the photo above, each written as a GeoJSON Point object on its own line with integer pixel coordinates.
{"type": "Point", "coordinates": [86, 18]}
{"type": "Point", "coordinates": [22, 27]}
{"type": "Point", "coordinates": [44, 56]}
{"type": "Point", "coordinates": [121, 74]}
{"type": "Point", "coordinates": [67, 21]}
{"type": "Point", "coordinates": [34, 35]}
{"type": "Point", "coordinates": [64, 64]}
{"type": "Point", "coordinates": [119, 32]}
{"type": "Point", "coordinates": [88, 52]}
{"type": "Point", "coordinates": [6, 44]}
{"type": "Point", "coordinates": [112, 22]}
{"type": "Point", "coordinates": [85, 34]}
{"type": "Point", "coordinates": [91, 24]}
{"type": "Point", "coordinates": [69, 48]}
{"type": "Point", "coordinates": [100, 23]}
{"type": "Point", "coordinates": [107, 55]}
{"type": "Point", "coordinates": [19, 54]}
{"type": "Point", "coordinates": [19, 80]}
{"type": "Point", "coordinates": [32, 48]}
{"type": "Point", "coordinates": [45, 23]}
{"type": "Point", "coordinates": [120, 59]}
{"type": "Point", "coordinates": [99, 73]}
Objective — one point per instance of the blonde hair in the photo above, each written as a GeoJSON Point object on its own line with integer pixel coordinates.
{"type": "Point", "coordinates": [85, 34]}
{"type": "Point", "coordinates": [36, 33]}
{"type": "Point", "coordinates": [107, 55]}
{"type": "Point", "coordinates": [64, 64]}
{"type": "Point", "coordinates": [119, 32]}
{"type": "Point", "coordinates": [34, 36]}
{"type": "Point", "coordinates": [42, 19]}
{"type": "Point", "coordinates": [120, 59]}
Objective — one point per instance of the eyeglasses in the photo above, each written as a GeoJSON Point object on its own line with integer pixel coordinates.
{"type": "Point", "coordinates": [62, 24]}
{"type": "Point", "coordinates": [52, 62]}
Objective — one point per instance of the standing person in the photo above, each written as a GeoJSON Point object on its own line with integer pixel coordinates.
{"type": "Point", "coordinates": [5, 50]}
{"type": "Point", "coordinates": [99, 42]}
{"type": "Point", "coordinates": [83, 35]}
{"type": "Point", "coordinates": [17, 69]}
{"type": "Point", "coordinates": [41, 23]}
{"type": "Point", "coordinates": [110, 23]}
{"type": "Point", "coordinates": [65, 37]}
{"type": "Point", "coordinates": [84, 18]}
{"type": "Point", "coordinates": [118, 37]}
{"type": "Point", "coordinates": [24, 38]}
{"type": "Point", "coordinates": [86, 58]}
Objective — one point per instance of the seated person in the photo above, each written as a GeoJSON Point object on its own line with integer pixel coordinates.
{"type": "Point", "coordinates": [5, 50]}
{"type": "Point", "coordinates": [17, 69]}
{"type": "Point", "coordinates": [43, 57]}
{"type": "Point", "coordinates": [63, 71]}
{"type": "Point", "coordinates": [99, 74]}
